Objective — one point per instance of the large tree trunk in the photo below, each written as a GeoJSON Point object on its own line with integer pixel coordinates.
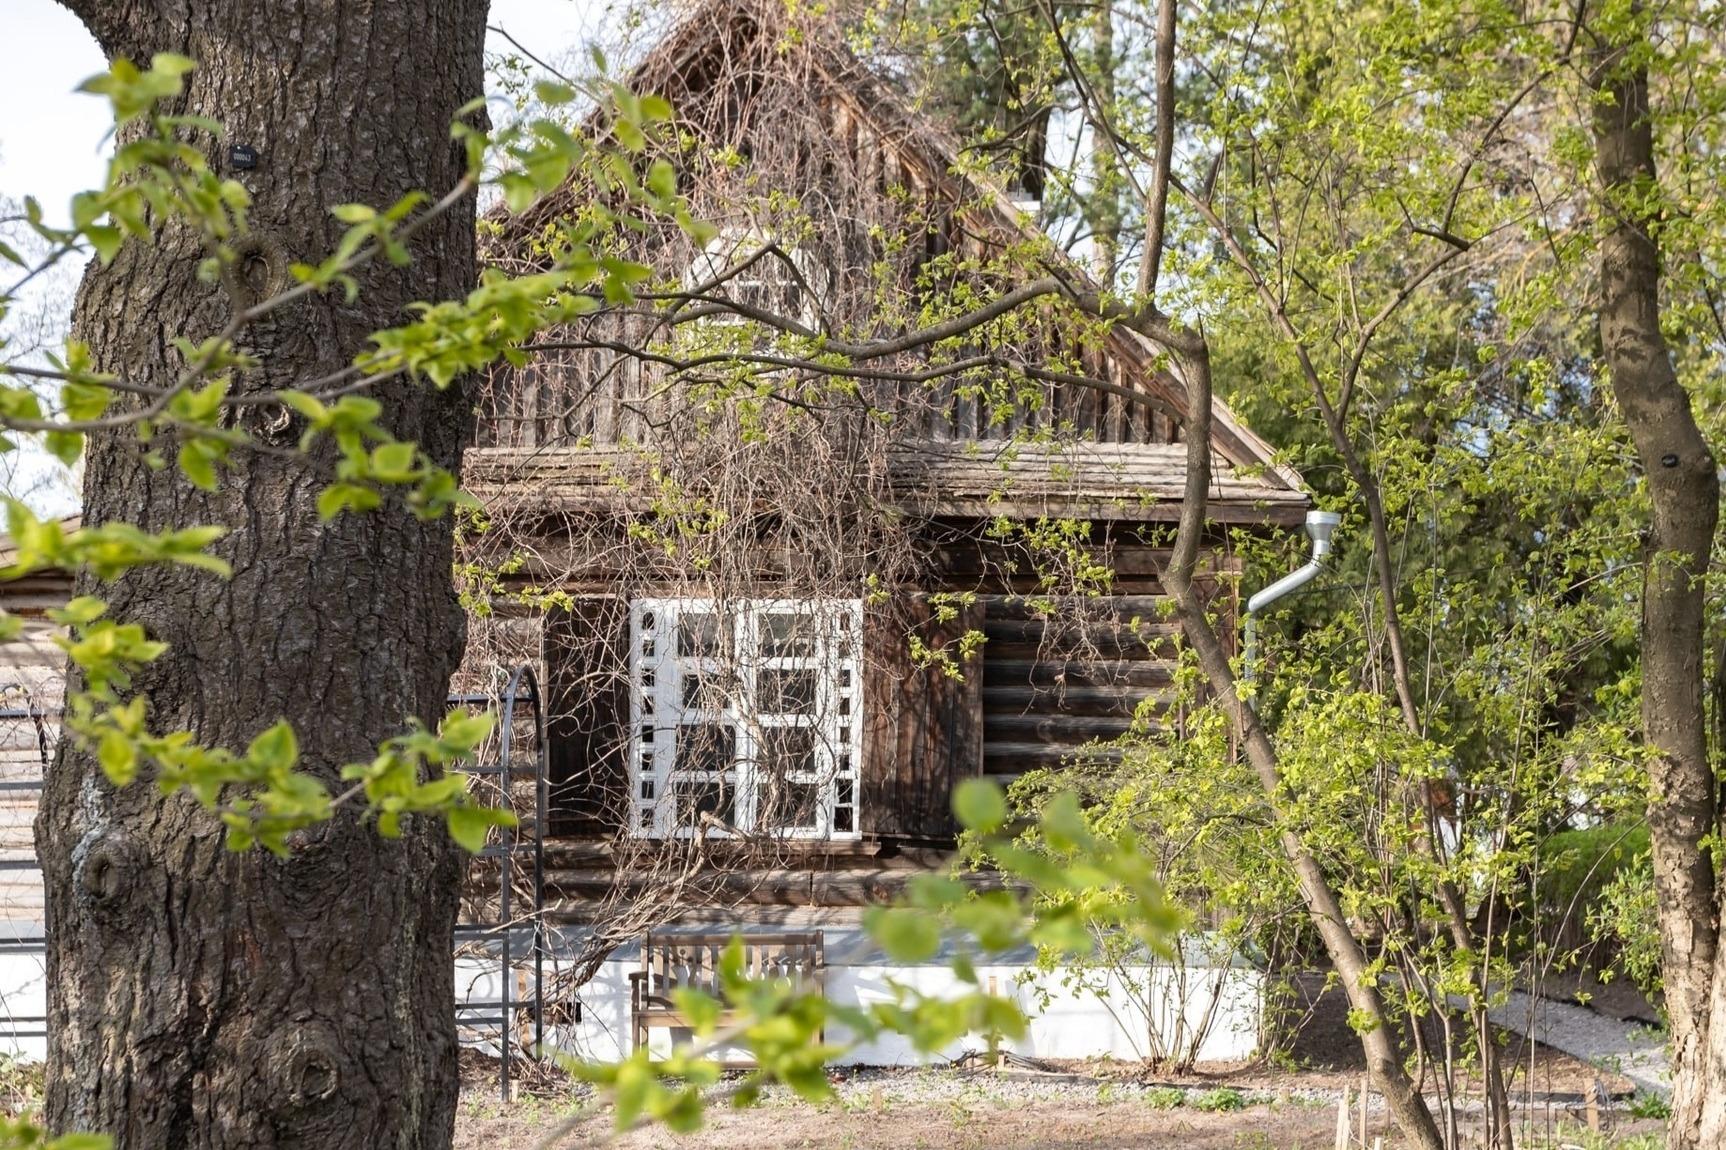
{"type": "Point", "coordinates": [1684, 490]}
{"type": "Point", "coordinates": [199, 998]}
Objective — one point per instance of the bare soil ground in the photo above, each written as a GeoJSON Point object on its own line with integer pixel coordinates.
{"type": "Point", "coordinates": [1290, 1104]}
{"type": "Point", "coordinates": [1240, 1109]}
{"type": "Point", "coordinates": [948, 1126]}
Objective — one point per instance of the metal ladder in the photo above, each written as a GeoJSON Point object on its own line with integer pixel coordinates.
{"type": "Point", "coordinates": [515, 846]}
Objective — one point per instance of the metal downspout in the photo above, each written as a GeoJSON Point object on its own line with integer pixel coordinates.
{"type": "Point", "coordinates": [1320, 525]}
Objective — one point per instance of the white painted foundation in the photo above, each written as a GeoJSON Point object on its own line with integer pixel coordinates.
{"type": "Point", "coordinates": [1115, 1015]}
{"type": "Point", "coordinates": [1109, 1017]}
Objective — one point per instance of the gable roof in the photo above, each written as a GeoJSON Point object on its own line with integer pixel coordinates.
{"type": "Point", "coordinates": [711, 26]}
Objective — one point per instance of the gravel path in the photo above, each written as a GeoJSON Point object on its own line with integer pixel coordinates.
{"type": "Point", "coordinates": [1628, 1048]}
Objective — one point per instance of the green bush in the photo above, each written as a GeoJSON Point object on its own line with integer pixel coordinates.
{"type": "Point", "coordinates": [1625, 911]}
{"type": "Point", "coordinates": [1223, 1098]}
{"type": "Point", "coordinates": [1579, 864]}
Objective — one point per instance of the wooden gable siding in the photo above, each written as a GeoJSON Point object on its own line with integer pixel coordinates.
{"type": "Point", "coordinates": [857, 184]}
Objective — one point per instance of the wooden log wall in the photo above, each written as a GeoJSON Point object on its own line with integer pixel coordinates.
{"type": "Point", "coordinates": [1052, 685]}
{"type": "Point", "coordinates": [1062, 672]}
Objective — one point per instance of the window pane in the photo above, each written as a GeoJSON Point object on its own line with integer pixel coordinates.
{"type": "Point", "coordinates": [786, 806]}
{"type": "Point", "coordinates": [787, 636]}
{"type": "Point", "coordinates": [785, 691]}
{"type": "Point", "coordinates": [706, 747]}
{"type": "Point", "coordinates": [787, 750]}
{"type": "Point", "coordinates": [703, 635]}
{"type": "Point", "coordinates": [705, 693]}
{"type": "Point", "coordinates": [844, 810]}
{"type": "Point", "coordinates": [697, 797]}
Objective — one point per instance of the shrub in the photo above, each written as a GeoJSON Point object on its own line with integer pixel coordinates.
{"type": "Point", "coordinates": [1223, 1098]}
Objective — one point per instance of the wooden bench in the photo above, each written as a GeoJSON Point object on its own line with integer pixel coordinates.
{"type": "Point", "coordinates": [671, 960]}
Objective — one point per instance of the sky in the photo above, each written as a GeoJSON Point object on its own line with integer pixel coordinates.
{"type": "Point", "coordinates": [53, 140]}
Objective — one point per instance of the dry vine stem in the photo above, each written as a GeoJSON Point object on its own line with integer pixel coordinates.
{"type": "Point", "coordinates": [759, 424]}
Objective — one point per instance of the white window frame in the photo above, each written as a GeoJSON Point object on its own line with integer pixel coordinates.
{"type": "Point", "coordinates": [658, 712]}
{"type": "Point", "coordinates": [761, 284]}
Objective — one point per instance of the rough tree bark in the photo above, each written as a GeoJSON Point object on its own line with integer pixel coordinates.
{"type": "Point", "coordinates": [199, 998]}
{"type": "Point", "coordinates": [1684, 493]}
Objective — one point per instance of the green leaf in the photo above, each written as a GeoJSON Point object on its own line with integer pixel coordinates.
{"type": "Point", "coordinates": [80, 612]}
{"type": "Point", "coordinates": [980, 806]}
{"type": "Point", "coordinates": [906, 935]}
{"type": "Point", "coordinates": [196, 465]}
{"type": "Point", "coordinates": [106, 240]}
{"type": "Point", "coordinates": [468, 826]}
{"type": "Point", "coordinates": [66, 446]}
{"type": "Point", "coordinates": [465, 729]}
{"type": "Point", "coordinates": [339, 497]}
{"type": "Point", "coordinates": [118, 756]}
{"type": "Point", "coordinates": [662, 179]}
{"type": "Point", "coordinates": [314, 412]}
{"type": "Point", "coordinates": [82, 401]}
{"type": "Point", "coordinates": [276, 749]}
{"type": "Point", "coordinates": [553, 93]}
{"type": "Point", "coordinates": [702, 1010]}
{"type": "Point", "coordinates": [172, 63]}
{"type": "Point", "coordinates": [393, 462]}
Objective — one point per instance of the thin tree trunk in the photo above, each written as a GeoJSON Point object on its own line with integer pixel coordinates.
{"type": "Point", "coordinates": [1102, 206]}
{"type": "Point", "coordinates": [199, 998]}
{"type": "Point", "coordinates": [1684, 492]}
{"type": "Point", "coordinates": [1346, 954]}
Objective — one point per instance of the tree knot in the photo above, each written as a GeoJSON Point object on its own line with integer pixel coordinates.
{"type": "Point", "coordinates": [109, 871]}
{"type": "Point", "coordinates": [306, 1063]}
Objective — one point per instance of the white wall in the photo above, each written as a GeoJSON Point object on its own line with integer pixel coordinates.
{"type": "Point", "coordinates": [1109, 1016]}
{"type": "Point", "coordinates": [23, 994]}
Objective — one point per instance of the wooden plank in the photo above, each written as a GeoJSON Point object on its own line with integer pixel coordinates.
{"type": "Point", "coordinates": [922, 727]}
{"type": "Point", "coordinates": [1144, 631]}
{"type": "Point", "coordinates": [1107, 647]}
{"type": "Point", "coordinates": [1053, 673]}
{"type": "Point", "coordinates": [1062, 730]}
{"type": "Point", "coordinates": [1017, 758]}
{"type": "Point", "coordinates": [1101, 607]}
{"type": "Point", "coordinates": [1114, 699]}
